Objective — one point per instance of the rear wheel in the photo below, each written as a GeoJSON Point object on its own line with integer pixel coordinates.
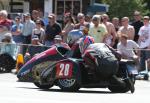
{"type": "Point", "coordinates": [68, 85]}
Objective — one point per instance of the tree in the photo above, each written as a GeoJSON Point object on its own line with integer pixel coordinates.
{"type": "Point", "coordinates": [121, 8]}
{"type": "Point", "coordinates": [147, 3]}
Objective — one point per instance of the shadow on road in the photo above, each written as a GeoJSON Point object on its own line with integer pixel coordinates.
{"type": "Point", "coordinates": [80, 91]}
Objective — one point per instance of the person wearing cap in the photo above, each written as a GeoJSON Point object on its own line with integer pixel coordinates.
{"type": "Point", "coordinates": [8, 46]}
{"type": "Point", "coordinates": [52, 29]}
{"type": "Point", "coordinates": [35, 48]}
{"type": "Point", "coordinates": [144, 41]}
{"type": "Point", "coordinates": [29, 25]}
{"type": "Point", "coordinates": [128, 48]}
{"type": "Point", "coordinates": [16, 30]}
{"type": "Point", "coordinates": [98, 31]}
{"type": "Point", "coordinates": [58, 40]}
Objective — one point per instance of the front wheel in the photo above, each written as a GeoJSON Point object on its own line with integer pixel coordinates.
{"type": "Point", "coordinates": [68, 85]}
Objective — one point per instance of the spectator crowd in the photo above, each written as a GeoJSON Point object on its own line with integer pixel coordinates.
{"type": "Point", "coordinates": [131, 39]}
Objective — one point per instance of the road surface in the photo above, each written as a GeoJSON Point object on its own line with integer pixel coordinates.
{"type": "Point", "coordinates": [12, 91]}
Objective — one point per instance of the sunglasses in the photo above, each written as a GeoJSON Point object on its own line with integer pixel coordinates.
{"type": "Point", "coordinates": [80, 18]}
{"type": "Point", "coordinates": [136, 15]}
{"type": "Point", "coordinates": [122, 20]}
{"type": "Point", "coordinates": [105, 18]}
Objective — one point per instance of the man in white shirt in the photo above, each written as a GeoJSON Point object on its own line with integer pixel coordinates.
{"type": "Point", "coordinates": [128, 48]}
{"type": "Point", "coordinates": [144, 41]}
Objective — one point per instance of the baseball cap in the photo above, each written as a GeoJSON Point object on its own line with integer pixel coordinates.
{"type": "Point", "coordinates": [26, 14]}
{"type": "Point", "coordinates": [51, 15]}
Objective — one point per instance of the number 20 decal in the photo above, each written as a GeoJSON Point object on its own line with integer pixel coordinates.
{"type": "Point", "coordinates": [64, 70]}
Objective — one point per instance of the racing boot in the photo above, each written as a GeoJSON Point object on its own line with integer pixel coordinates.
{"type": "Point", "coordinates": [130, 85]}
{"type": "Point", "coordinates": [116, 80]}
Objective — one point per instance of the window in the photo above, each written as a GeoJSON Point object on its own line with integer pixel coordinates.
{"type": "Point", "coordinates": [63, 6]}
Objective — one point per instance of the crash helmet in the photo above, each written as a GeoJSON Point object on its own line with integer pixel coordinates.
{"type": "Point", "coordinates": [85, 42]}
{"type": "Point", "coordinates": [73, 36]}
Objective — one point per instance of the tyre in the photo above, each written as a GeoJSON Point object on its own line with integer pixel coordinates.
{"type": "Point", "coordinates": [45, 86]}
{"type": "Point", "coordinates": [70, 85]}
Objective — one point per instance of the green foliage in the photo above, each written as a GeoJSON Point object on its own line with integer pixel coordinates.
{"type": "Point", "coordinates": [147, 3]}
{"type": "Point", "coordinates": [121, 8]}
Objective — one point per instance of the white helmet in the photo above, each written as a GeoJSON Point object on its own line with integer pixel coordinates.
{"type": "Point", "coordinates": [73, 36]}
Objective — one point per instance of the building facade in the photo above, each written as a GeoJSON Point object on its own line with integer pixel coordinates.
{"type": "Point", "coordinates": [58, 7]}
{"type": "Point", "coordinates": [55, 6]}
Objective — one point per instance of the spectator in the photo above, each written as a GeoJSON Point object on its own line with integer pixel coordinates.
{"type": "Point", "coordinates": [116, 23]}
{"type": "Point", "coordinates": [98, 31]}
{"type": "Point", "coordinates": [8, 46]}
{"type": "Point", "coordinates": [35, 15]}
{"type": "Point", "coordinates": [29, 25]}
{"type": "Point", "coordinates": [69, 25]}
{"type": "Point", "coordinates": [126, 28]}
{"type": "Point", "coordinates": [58, 40]}
{"type": "Point", "coordinates": [52, 29]}
{"type": "Point", "coordinates": [127, 48]}
{"type": "Point", "coordinates": [144, 41]}
{"type": "Point", "coordinates": [16, 30]}
{"type": "Point", "coordinates": [137, 24]}
{"type": "Point", "coordinates": [34, 48]}
{"type": "Point", "coordinates": [111, 36]}
{"type": "Point", "coordinates": [82, 23]}
{"type": "Point", "coordinates": [5, 23]}
{"type": "Point", "coordinates": [88, 18]}
{"type": "Point", "coordinates": [39, 31]}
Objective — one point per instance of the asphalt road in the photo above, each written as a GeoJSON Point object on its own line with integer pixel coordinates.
{"type": "Point", "coordinates": [12, 91]}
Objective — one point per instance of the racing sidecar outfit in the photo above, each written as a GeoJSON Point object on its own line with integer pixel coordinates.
{"type": "Point", "coordinates": [98, 56]}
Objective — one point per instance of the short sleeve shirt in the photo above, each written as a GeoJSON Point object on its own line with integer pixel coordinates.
{"type": "Point", "coordinates": [98, 33]}
{"type": "Point", "coordinates": [127, 50]}
{"type": "Point", "coordinates": [144, 32]}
